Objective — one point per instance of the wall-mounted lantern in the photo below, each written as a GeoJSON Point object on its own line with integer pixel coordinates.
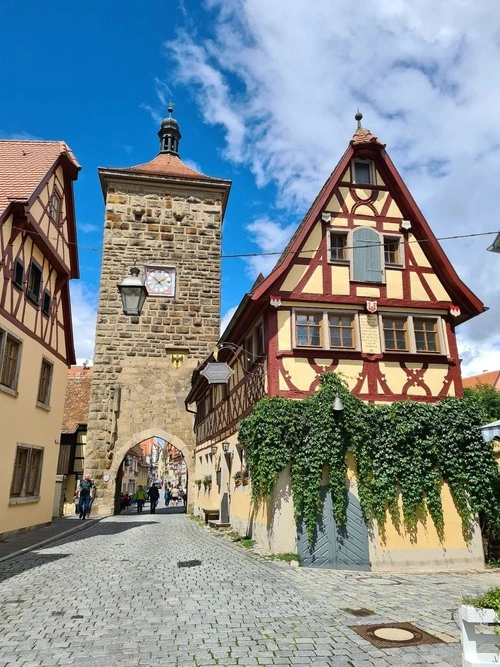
{"type": "Point", "coordinates": [213, 450]}
{"type": "Point", "coordinates": [225, 446]}
{"type": "Point", "coordinates": [338, 406]}
{"type": "Point", "coordinates": [133, 293]}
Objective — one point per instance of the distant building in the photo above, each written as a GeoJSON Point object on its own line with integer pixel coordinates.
{"type": "Point", "coordinates": [363, 289]}
{"type": "Point", "coordinates": [491, 378]}
{"type": "Point", "coordinates": [38, 257]}
{"type": "Point", "coordinates": [70, 467]}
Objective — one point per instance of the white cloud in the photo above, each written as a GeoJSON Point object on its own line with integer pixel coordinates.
{"type": "Point", "coordinates": [284, 83]}
{"type": "Point", "coordinates": [270, 238]}
{"type": "Point", "coordinates": [226, 318]}
{"type": "Point", "coordinates": [84, 314]}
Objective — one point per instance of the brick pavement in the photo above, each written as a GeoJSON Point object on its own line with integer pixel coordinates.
{"type": "Point", "coordinates": [114, 595]}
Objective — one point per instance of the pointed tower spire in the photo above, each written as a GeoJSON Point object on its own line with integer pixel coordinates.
{"type": "Point", "coordinates": [169, 133]}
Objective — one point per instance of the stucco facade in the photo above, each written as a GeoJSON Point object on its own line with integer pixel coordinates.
{"type": "Point", "coordinates": [363, 289]}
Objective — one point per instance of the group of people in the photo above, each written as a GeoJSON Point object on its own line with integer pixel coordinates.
{"type": "Point", "coordinates": [84, 496]}
{"type": "Point", "coordinates": [173, 495]}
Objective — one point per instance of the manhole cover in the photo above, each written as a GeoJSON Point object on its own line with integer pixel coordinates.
{"type": "Point", "coordinates": [360, 612]}
{"type": "Point", "coordinates": [394, 635]}
{"type": "Point", "coordinates": [188, 563]}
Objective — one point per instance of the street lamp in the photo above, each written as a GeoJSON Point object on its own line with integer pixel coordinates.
{"type": "Point", "coordinates": [213, 450]}
{"type": "Point", "coordinates": [338, 406]}
{"type": "Point", "coordinates": [133, 293]}
{"type": "Point", "coordinates": [225, 446]}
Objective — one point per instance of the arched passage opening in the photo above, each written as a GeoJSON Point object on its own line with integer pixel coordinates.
{"type": "Point", "coordinates": [150, 457]}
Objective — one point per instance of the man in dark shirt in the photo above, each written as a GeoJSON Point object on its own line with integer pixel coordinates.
{"type": "Point", "coordinates": [85, 496]}
{"type": "Point", "coordinates": [153, 495]}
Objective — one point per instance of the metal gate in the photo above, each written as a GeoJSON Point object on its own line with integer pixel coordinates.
{"type": "Point", "coordinates": [344, 549]}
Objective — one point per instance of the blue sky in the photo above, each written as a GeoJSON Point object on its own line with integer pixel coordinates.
{"type": "Point", "coordinates": [265, 95]}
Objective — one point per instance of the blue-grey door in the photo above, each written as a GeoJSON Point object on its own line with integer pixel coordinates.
{"type": "Point", "coordinates": [344, 549]}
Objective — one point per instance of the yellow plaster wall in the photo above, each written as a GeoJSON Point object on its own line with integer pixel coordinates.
{"type": "Point", "coordinates": [293, 277]}
{"type": "Point", "coordinates": [379, 179]}
{"type": "Point", "coordinates": [23, 422]}
{"type": "Point", "coordinates": [284, 330]}
{"type": "Point", "coordinates": [394, 210]}
{"type": "Point", "coordinates": [312, 242]}
{"type": "Point", "coordinates": [437, 288]}
{"type": "Point", "coordinates": [396, 378]}
{"type": "Point", "coordinates": [391, 227]}
{"type": "Point", "coordinates": [315, 283]}
{"type": "Point", "coordinates": [340, 280]}
{"type": "Point", "coordinates": [417, 252]}
{"type": "Point", "coordinates": [394, 282]}
{"type": "Point", "coordinates": [418, 292]}
{"type": "Point", "coordinates": [301, 373]}
{"type": "Point", "coordinates": [368, 291]}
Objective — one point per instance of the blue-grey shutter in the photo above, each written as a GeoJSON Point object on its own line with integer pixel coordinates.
{"type": "Point", "coordinates": [367, 256]}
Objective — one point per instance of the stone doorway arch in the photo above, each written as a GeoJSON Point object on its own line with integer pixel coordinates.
{"type": "Point", "coordinates": [106, 502]}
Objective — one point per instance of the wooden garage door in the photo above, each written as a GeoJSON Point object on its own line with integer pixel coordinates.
{"type": "Point", "coordinates": [344, 549]}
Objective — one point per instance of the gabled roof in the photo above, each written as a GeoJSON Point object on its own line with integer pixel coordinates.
{"type": "Point", "coordinates": [77, 401]}
{"type": "Point", "coordinates": [491, 378]}
{"type": "Point", "coordinates": [365, 144]}
{"type": "Point", "coordinates": [167, 164]}
{"type": "Point", "coordinates": [23, 164]}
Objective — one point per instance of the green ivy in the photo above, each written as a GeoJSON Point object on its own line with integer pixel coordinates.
{"type": "Point", "coordinates": [403, 450]}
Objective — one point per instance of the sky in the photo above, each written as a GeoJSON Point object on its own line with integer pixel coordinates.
{"type": "Point", "coordinates": [265, 93]}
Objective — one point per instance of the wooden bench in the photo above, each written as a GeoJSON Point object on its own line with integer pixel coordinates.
{"type": "Point", "coordinates": [211, 513]}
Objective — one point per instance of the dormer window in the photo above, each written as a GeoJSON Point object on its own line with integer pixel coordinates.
{"type": "Point", "coordinates": [363, 172]}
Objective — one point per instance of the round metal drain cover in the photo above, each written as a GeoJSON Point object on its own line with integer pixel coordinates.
{"type": "Point", "coordinates": [394, 634]}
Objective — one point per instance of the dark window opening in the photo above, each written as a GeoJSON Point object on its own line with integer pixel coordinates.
{"type": "Point", "coordinates": [34, 283]}
{"type": "Point", "coordinates": [18, 273]}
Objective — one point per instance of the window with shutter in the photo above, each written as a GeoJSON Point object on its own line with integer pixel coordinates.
{"type": "Point", "coordinates": [367, 256]}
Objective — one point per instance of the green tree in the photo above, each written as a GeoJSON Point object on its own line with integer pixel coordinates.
{"type": "Point", "coordinates": [488, 398]}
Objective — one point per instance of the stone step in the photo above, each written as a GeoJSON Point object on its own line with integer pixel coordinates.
{"type": "Point", "coordinates": [218, 524]}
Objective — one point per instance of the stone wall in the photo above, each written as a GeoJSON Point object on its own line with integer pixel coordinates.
{"type": "Point", "coordinates": [139, 381]}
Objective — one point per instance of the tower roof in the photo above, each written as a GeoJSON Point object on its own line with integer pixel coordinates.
{"type": "Point", "coordinates": [166, 164]}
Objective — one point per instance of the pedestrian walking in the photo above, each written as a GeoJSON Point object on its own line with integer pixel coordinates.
{"type": "Point", "coordinates": [140, 497]}
{"type": "Point", "coordinates": [153, 495]}
{"type": "Point", "coordinates": [174, 495]}
{"type": "Point", "coordinates": [85, 492]}
{"type": "Point", "coordinates": [167, 496]}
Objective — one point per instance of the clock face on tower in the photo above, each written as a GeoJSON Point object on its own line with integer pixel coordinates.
{"type": "Point", "coordinates": [160, 280]}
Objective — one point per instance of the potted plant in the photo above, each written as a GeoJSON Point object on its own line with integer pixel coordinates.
{"type": "Point", "coordinates": [245, 477]}
{"type": "Point", "coordinates": [480, 610]}
{"type": "Point", "coordinates": [207, 481]}
{"type": "Point", "coordinates": [237, 478]}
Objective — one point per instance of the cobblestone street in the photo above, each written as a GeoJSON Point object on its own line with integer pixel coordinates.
{"type": "Point", "coordinates": [115, 595]}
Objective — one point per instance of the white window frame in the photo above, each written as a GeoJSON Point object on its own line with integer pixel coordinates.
{"type": "Point", "coordinates": [371, 165]}
{"type": "Point", "coordinates": [338, 232]}
{"type": "Point", "coordinates": [394, 237]}
{"type": "Point", "coordinates": [411, 333]}
{"type": "Point", "coordinates": [325, 329]}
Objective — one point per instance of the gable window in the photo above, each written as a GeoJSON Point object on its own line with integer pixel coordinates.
{"type": "Point", "coordinates": [46, 303]}
{"type": "Point", "coordinates": [392, 251]}
{"type": "Point", "coordinates": [34, 282]}
{"type": "Point", "coordinates": [55, 207]}
{"type": "Point", "coordinates": [45, 382]}
{"type": "Point", "coordinates": [18, 273]}
{"type": "Point", "coordinates": [367, 256]}
{"type": "Point", "coordinates": [363, 172]}
{"type": "Point", "coordinates": [10, 356]}
{"type": "Point", "coordinates": [27, 473]}
{"type": "Point", "coordinates": [341, 331]}
{"type": "Point", "coordinates": [308, 329]}
{"type": "Point", "coordinates": [338, 246]}
{"type": "Point", "coordinates": [412, 333]}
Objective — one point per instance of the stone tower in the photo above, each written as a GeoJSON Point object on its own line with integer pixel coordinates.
{"type": "Point", "coordinates": [165, 219]}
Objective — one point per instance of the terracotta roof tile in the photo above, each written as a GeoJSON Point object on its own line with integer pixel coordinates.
{"type": "Point", "coordinates": [168, 165]}
{"type": "Point", "coordinates": [491, 377]}
{"type": "Point", "coordinates": [76, 404]}
{"type": "Point", "coordinates": [23, 164]}
{"type": "Point", "coordinates": [364, 136]}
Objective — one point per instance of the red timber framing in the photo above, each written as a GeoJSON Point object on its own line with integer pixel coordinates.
{"type": "Point", "coordinates": [370, 382]}
{"type": "Point", "coordinates": [51, 245]}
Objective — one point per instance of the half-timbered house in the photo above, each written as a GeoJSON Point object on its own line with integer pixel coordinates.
{"type": "Point", "coordinates": [38, 256]}
{"type": "Point", "coordinates": [363, 289]}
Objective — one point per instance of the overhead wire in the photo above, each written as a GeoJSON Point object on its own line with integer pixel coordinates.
{"type": "Point", "coordinates": [277, 252]}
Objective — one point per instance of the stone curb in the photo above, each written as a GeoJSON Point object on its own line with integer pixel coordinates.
{"type": "Point", "coordinates": [84, 525]}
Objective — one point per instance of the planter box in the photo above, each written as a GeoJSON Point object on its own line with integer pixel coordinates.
{"type": "Point", "coordinates": [469, 618]}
